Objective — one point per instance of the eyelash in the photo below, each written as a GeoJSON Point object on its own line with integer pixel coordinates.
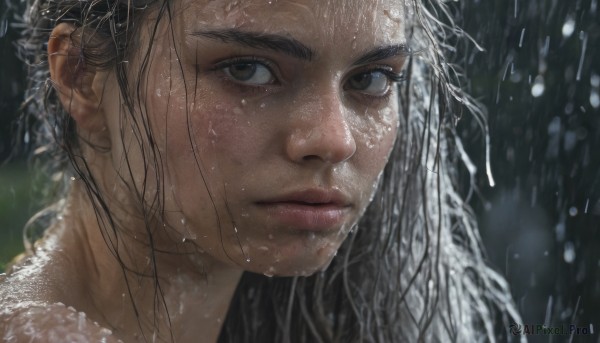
{"type": "Point", "coordinates": [393, 77]}
{"type": "Point", "coordinates": [243, 87]}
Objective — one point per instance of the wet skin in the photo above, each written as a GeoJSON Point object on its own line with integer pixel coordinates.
{"type": "Point", "coordinates": [273, 122]}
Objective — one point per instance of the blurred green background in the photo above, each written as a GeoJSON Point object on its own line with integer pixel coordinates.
{"type": "Point", "coordinates": [15, 178]}
{"type": "Point", "coordinates": [15, 209]}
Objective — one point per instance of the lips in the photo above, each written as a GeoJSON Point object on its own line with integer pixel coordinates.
{"type": "Point", "coordinates": [309, 209]}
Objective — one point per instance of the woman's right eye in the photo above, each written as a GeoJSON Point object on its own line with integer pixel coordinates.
{"type": "Point", "coordinates": [249, 73]}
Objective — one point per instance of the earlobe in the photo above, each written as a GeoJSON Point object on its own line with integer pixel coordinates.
{"type": "Point", "coordinates": [73, 79]}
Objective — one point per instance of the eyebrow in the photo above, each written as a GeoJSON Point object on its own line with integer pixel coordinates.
{"type": "Point", "coordinates": [279, 43]}
{"type": "Point", "coordinates": [383, 53]}
{"type": "Point", "coordinates": [293, 47]}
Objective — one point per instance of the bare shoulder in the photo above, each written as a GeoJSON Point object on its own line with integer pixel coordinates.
{"type": "Point", "coordinates": [26, 317]}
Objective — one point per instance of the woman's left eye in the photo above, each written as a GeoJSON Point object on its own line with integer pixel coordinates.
{"type": "Point", "coordinates": [374, 83]}
{"type": "Point", "coordinates": [249, 72]}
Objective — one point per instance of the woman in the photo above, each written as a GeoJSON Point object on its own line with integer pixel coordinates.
{"type": "Point", "coordinates": [257, 171]}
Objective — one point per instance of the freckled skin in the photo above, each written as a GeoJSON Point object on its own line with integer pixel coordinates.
{"type": "Point", "coordinates": [224, 146]}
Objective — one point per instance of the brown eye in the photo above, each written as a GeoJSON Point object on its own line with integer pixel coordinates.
{"type": "Point", "coordinates": [249, 73]}
{"type": "Point", "coordinates": [374, 83]}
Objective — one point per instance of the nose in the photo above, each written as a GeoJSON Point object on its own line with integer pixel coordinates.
{"type": "Point", "coordinates": [324, 135]}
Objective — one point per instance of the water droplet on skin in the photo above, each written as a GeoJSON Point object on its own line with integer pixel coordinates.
{"type": "Point", "coordinates": [270, 272]}
{"type": "Point", "coordinates": [243, 102]}
{"type": "Point", "coordinates": [263, 105]}
{"type": "Point", "coordinates": [248, 259]}
{"type": "Point", "coordinates": [158, 92]}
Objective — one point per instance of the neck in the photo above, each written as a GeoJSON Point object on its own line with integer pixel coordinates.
{"type": "Point", "coordinates": [177, 291]}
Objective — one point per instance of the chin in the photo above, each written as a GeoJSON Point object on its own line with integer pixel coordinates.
{"type": "Point", "coordinates": [288, 266]}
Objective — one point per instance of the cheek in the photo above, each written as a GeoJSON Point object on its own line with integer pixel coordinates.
{"type": "Point", "coordinates": [375, 137]}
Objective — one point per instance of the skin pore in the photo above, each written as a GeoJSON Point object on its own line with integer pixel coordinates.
{"type": "Point", "coordinates": [272, 121]}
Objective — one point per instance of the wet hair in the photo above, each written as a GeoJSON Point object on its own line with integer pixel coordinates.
{"type": "Point", "coordinates": [413, 269]}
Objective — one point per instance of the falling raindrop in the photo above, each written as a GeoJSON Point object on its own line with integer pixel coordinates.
{"type": "Point", "coordinates": [595, 99]}
{"type": "Point", "coordinates": [538, 87]}
{"type": "Point", "coordinates": [568, 28]}
{"type": "Point", "coordinates": [3, 27]}
{"type": "Point", "coordinates": [573, 211]}
{"type": "Point", "coordinates": [584, 37]}
{"type": "Point", "coordinates": [587, 204]}
{"type": "Point", "coordinates": [521, 39]}
{"type": "Point", "coordinates": [569, 252]}
{"type": "Point", "coordinates": [595, 80]}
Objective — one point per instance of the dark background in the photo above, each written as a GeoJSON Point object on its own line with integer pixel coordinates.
{"type": "Point", "coordinates": [539, 78]}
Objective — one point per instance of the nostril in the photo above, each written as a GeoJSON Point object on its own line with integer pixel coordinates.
{"type": "Point", "coordinates": [311, 157]}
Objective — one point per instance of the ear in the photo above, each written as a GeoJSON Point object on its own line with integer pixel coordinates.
{"type": "Point", "coordinates": [73, 80]}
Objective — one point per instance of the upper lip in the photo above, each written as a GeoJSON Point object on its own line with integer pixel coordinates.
{"type": "Point", "coordinates": [311, 196]}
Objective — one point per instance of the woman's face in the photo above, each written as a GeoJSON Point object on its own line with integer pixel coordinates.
{"type": "Point", "coordinates": [273, 121]}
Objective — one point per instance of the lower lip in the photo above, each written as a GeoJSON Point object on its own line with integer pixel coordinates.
{"type": "Point", "coordinates": [307, 217]}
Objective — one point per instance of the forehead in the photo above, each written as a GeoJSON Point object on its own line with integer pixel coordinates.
{"type": "Point", "coordinates": [320, 23]}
